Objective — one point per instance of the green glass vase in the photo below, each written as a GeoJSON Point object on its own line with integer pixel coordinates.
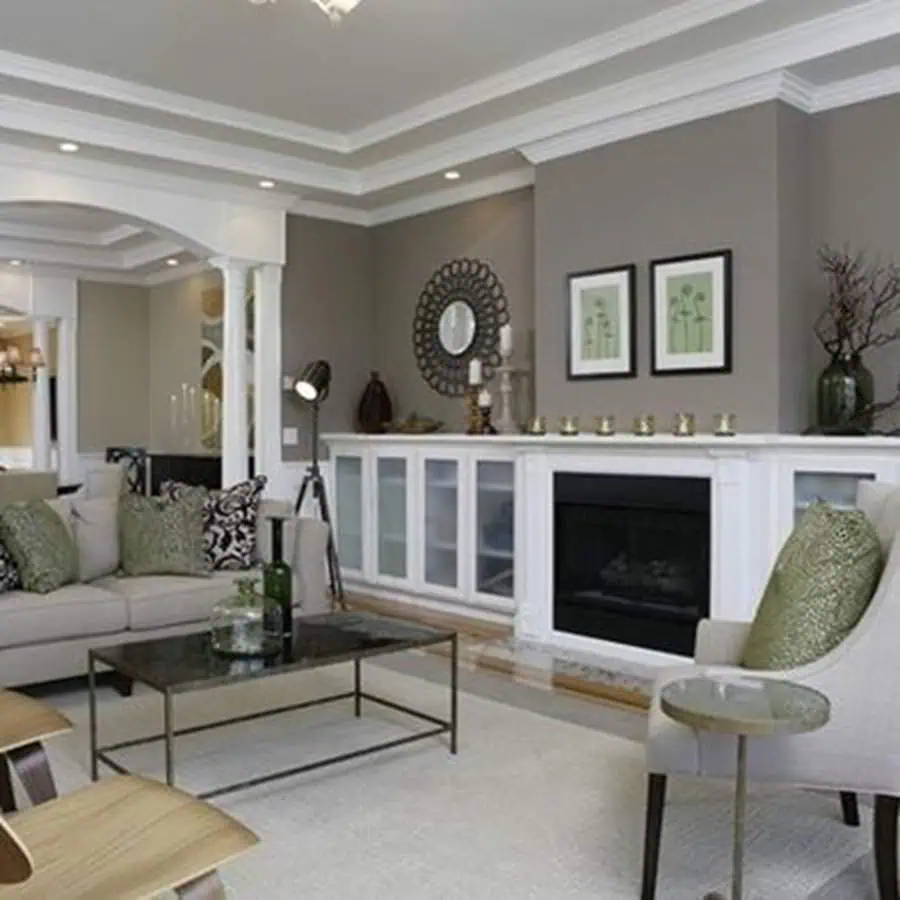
{"type": "Point", "coordinates": [845, 391]}
{"type": "Point", "coordinates": [278, 579]}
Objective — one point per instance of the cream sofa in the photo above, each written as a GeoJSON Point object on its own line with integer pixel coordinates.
{"type": "Point", "coordinates": [44, 637]}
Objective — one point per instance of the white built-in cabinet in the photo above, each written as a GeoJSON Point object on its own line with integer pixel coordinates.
{"type": "Point", "coordinates": [432, 522]}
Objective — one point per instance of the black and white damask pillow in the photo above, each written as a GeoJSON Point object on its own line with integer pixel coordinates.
{"type": "Point", "coordinates": [229, 521]}
{"type": "Point", "coordinates": [9, 572]}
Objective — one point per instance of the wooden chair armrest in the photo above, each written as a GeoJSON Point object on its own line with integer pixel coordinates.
{"type": "Point", "coordinates": [24, 720]}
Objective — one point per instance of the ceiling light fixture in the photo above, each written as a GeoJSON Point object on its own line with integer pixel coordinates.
{"type": "Point", "coordinates": [15, 262]}
{"type": "Point", "coordinates": [334, 9]}
{"type": "Point", "coordinates": [69, 147]}
{"type": "Point", "coordinates": [11, 367]}
{"type": "Point", "coordinates": [452, 175]}
{"type": "Point", "coordinates": [172, 261]}
{"type": "Point", "coordinates": [267, 184]}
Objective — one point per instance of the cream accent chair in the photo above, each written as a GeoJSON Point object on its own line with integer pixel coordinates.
{"type": "Point", "coordinates": [859, 748]}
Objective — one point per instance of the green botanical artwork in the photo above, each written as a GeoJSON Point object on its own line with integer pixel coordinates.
{"type": "Point", "coordinates": [600, 331]}
{"type": "Point", "coordinates": [689, 313]}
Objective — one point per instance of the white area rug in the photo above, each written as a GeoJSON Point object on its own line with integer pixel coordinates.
{"type": "Point", "coordinates": [530, 808]}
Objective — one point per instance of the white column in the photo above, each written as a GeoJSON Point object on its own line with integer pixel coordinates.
{"type": "Point", "coordinates": [67, 399]}
{"type": "Point", "coordinates": [267, 373]}
{"type": "Point", "coordinates": [40, 398]}
{"type": "Point", "coordinates": [235, 450]}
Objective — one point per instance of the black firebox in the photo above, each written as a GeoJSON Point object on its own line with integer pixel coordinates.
{"type": "Point", "coordinates": [631, 558]}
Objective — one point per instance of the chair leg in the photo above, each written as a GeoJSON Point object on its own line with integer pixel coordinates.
{"type": "Point", "coordinates": [886, 810]}
{"type": "Point", "coordinates": [207, 887]}
{"type": "Point", "coordinates": [656, 804]}
{"type": "Point", "coordinates": [33, 768]}
{"type": "Point", "coordinates": [7, 797]}
{"type": "Point", "coordinates": [850, 808]}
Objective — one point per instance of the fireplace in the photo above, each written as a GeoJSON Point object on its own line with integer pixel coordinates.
{"type": "Point", "coordinates": [632, 558]}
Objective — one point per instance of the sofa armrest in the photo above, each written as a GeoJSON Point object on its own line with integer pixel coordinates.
{"type": "Point", "coordinates": [720, 642]}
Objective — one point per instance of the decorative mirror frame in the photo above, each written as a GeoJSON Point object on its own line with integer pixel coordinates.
{"type": "Point", "coordinates": [475, 283]}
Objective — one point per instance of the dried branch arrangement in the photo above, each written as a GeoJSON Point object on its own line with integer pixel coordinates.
{"type": "Point", "coordinates": [863, 300]}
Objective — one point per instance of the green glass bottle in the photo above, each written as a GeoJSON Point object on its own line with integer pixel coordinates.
{"type": "Point", "coordinates": [277, 578]}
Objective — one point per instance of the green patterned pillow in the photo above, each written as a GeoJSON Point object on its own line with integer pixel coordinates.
{"type": "Point", "coordinates": [159, 536]}
{"type": "Point", "coordinates": [41, 544]}
{"type": "Point", "coordinates": [820, 586]}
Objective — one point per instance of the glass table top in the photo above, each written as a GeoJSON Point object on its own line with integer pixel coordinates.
{"type": "Point", "coordinates": [188, 662]}
{"type": "Point", "coordinates": [735, 704]}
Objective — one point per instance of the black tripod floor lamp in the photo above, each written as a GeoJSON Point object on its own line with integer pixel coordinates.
{"type": "Point", "coordinates": [312, 386]}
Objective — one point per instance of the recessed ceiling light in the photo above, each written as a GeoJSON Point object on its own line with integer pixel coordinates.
{"type": "Point", "coordinates": [69, 147]}
{"type": "Point", "coordinates": [172, 261]}
{"type": "Point", "coordinates": [15, 262]}
{"type": "Point", "coordinates": [267, 184]}
{"type": "Point", "coordinates": [452, 175]}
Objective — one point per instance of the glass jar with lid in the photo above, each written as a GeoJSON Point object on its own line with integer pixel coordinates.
{"type": "Point", "coordinates": [247, 623]}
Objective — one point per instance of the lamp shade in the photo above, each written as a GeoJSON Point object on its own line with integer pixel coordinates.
{"type": "Point", "coordinates": [313, 382]}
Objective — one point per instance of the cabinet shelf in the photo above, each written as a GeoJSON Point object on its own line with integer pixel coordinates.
{"type": "Point", "coordinates": [492, 553]}
{"type": "Point", "coordinates": [441, 485]}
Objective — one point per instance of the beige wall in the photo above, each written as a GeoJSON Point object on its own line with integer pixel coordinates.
{"type": "Point", "coordinates": [498, 230]}
{"type": "Point", "coordinates": [113, 366]}
{"type": "Point", "coordinates": [175, 327]}
{"type": "Point", "coordinates": [327, 303]}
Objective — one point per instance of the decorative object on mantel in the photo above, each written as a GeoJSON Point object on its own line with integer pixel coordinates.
{"type": "Point", "coordinates": [537, 426]}
{"type": "Point", "coordinates": [416, 424]}
{"type": "Point", "coordinates": [602, 339]}
{"type": "Point", "coordinates": [506, 423]}
{"type": "Point", "coordinates": [691, 314]}
{"type": "Point", "coordinates": [485, 405]}
{"type": "Point", "coordinates": [724, 424]}
{"type": "Point", "coordinates": [644, 426]}
{"type": "Point", "coordinates": [568, 426]}
{"type": "Point", "coordinates": [684, 424]}
{"type": "Point", "coordinates": [458, 319]}
{"type": "Point", "coordinates": [863, 301]}
{"type": "Point", "coordinates": [605, 426]}
{"type": "Point", "coordinates": [375, 411]}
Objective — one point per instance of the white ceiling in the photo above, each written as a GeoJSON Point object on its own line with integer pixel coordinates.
{"type": "Point", "coordinates": [359, 122]}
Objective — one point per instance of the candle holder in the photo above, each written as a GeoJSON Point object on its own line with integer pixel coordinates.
{"type": "Point", "coordinates": [684, 425]}
{"type": "Point", "coordinates": [473, 413]}
{"type": "Point", "coordinates": [724, 424]}
{"type": "Point", "coordinates": [644, 426]}
{"type": "Point", "coordinates": [568, 426]}
{"type": "Point", "coordinates": [537, 426]}
{"type": "Point", "coordinates": [485, 426]}
{"type": "Point", "coordinates": [605, 426]}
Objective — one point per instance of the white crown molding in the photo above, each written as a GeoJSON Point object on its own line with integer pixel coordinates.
{"type": "Point", "coordinates": [633, 36]}
{"type": "Point", "coordinates": [332, 212]}
{"type": "Point", "coordinates": [178, 273]}
{"type": "Point", "coordinates": [870, 86]}
{"type": "Point", "coordinates": [145, 254]}
{"type": "Point", "coordinates": [117, 235]}
{"type": "Point", "coordinates": [454, 196]}
{"type": "Point", "coordinates": [92, 84]}
{"type": "Point", "coordinates": [35, 252]}
{"type": "Point", "coordinates": [85, 273]}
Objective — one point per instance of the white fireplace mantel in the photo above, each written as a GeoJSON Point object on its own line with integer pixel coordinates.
{"type": "Point", "coordinates": [758, 481]}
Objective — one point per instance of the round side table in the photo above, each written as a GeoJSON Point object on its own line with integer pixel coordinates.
{"type": "Point", "coordinates": [745, 707]}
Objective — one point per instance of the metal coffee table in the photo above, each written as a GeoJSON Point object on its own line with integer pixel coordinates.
{"type": "Point", "coordinates": [178, 665]}
{"type": "Point", "coordinates": [744, 706]}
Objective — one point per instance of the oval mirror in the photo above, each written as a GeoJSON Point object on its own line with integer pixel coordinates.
{"type": "Point", "coordinates": [456, 328]}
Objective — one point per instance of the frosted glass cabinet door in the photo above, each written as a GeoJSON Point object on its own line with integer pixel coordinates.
{"type": "Point", "coordinates": [495, 499]}
{"type": "Point", "coordinates": [392, 525]}
{"type": "Point", "coordinates": [838, 489]}
{"type": "Point", "coordinates": [349, 511]}
{"type": "Point", "coordinates": [441, 522]}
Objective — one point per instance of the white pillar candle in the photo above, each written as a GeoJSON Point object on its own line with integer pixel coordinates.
{"type": "Point", "coordinates": [475, 372]}
{"type": "Point", "coordinates": [506, 339]}
{"type": "Point", "coordinates": [484, 398]}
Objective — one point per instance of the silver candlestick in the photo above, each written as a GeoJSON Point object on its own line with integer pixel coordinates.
{"type": "Point", "coordinates": [504, 423]}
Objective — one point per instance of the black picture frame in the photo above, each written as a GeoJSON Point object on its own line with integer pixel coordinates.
{"type": "Point", "coordinates": [580, 370]}
{"type": "Point", "coordinates": [724, 258]}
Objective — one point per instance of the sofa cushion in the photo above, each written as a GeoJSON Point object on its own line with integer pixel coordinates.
{"type": "Point", "coordinates": [74, 611]}
{"type": "Point", "coordinates": [820, 586]}
{"type": "Point", "coordinates": [41, 544]}
{"type": "Point", "coordinates": [96, 522]}
{"type": "Point", "coordinates": [160, 536]}
{"type": "Point", "coordinates": [158, 601]}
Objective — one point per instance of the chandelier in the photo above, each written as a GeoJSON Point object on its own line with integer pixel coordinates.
{"type": "Point", "coordinates": [11, 364]}
{"type": "Point", "coordinates": [334, 9]}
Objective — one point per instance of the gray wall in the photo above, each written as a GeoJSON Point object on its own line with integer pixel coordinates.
{"type": "Point", "coordinates": [703, 186]}
{"type": "Point", "coordinates": [113, 366]}
{"type": "Point", "coordinates": [498, 230]}
{"type": "Point", "coordinates": [856, 200]}
{"type": "Point", "coordinates": [327, 302]}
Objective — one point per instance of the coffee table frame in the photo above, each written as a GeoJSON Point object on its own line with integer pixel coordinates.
{"type": "Point", "coordinates": [101, 754]}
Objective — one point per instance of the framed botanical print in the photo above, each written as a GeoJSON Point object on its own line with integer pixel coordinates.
{"type": "Point", "coordinates": [602, 333]}
{"type": "Point", "coordinates": [691, 299]}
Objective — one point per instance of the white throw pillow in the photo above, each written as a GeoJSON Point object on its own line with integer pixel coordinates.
{"type": "Point", "coordinates": [106, 481]}
{"type": "Point", "coordinates": [880, 501]}
{"type": "Point", "coordinates": [96, 522]}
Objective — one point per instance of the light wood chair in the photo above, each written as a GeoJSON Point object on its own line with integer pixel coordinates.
{"type": "Point", "coordinates": [123, 838]}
